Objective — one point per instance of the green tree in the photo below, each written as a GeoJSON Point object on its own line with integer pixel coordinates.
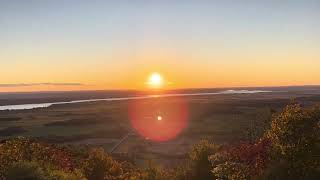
{"type": "Point", "coordinates": [99, 166]}
{"type": "Point", "coordinates": [200, 166]}
{"type": "Point", "coordinates": [295, 137]}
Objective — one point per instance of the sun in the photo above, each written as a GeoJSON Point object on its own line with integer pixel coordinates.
{"type": "Point", "coordinates": [155, 80]}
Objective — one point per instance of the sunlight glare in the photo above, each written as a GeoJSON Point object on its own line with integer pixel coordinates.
{"type": "Point", "coordinates": [155, 80]}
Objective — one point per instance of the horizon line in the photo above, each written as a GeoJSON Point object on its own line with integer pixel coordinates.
{"type": "Point", "coordinates": [154, 90]}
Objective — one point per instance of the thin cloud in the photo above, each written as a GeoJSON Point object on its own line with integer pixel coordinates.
{"type": "Point", "coordinates": [40, 84]}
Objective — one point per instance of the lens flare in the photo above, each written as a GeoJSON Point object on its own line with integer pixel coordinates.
{"type": "Point", "coordinates": [158, 119]}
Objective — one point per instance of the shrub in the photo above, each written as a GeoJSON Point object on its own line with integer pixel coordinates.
{"type": "Point", "coordinates": [154, 173]}
{"type": "Point", "coordinates": [241, 161]}
{"type": "Point", "coordinates": [25, 149]}
{"type": "Point", "coordinates": [99, 165]}
{"type": "Point", "coordinates": [25, 171]}
{"type": "Point", "coordinates": [61, 175]}
{"type": "Point", "coordinates": [200, 166]}
{"type": "Point", "coordinates": [30, 170]}
{"type": "Point", "coordinates": [231, 170]}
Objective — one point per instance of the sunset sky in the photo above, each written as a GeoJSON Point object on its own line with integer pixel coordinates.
{"type": "Point", "coordinates": [84, 45]}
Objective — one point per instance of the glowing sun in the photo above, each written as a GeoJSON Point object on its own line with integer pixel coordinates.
{"type": "Point", "coordinates": [155, 80]}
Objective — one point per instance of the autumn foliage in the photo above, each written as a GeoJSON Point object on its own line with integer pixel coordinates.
{"type": "Point", "coordinates": [289, 149]}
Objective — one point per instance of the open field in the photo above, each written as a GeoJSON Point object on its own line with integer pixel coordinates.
{"type": "Point", "coordinates": [220, 118]}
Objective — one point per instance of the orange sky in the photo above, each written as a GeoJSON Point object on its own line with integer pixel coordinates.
{"type": "Point", "coordinates": [110, 45]}
{"type": "Point", "coordinates": [177, 71]}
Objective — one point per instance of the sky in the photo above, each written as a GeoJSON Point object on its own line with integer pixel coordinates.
{"type": "Point", "coordinates": [93, 45]}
